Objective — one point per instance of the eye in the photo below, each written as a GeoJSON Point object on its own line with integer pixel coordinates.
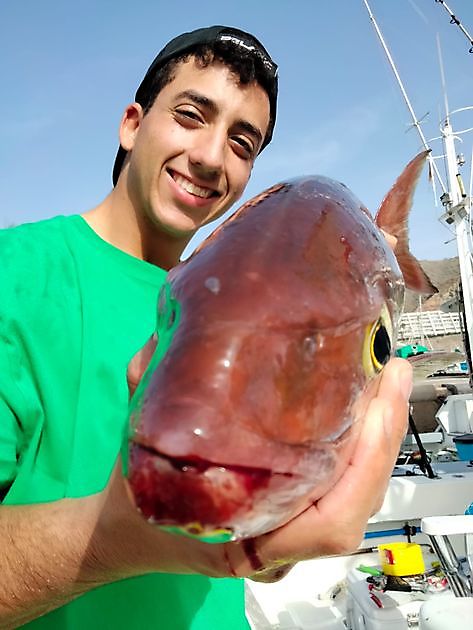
{"type": "Point", "coordinates": [188, 117]}
{"type": "Point", "coordinates": [380, 346]}
{"type": "Point", "coordinates": [242, 147]}
{"type": "Point", "coordinates": [377, 344]}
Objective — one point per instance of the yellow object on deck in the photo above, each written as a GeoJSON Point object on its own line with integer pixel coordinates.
{"type": "Point", "coordinates": [401, 559]}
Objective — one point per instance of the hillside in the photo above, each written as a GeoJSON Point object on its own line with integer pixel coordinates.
{"type": "Point", "coordinates": [445, 275]}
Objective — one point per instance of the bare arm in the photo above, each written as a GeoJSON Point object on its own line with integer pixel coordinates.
{"type": "Point", "coordinates": [50, 553]}
{"type": "Point", "coordinates": [42, 556]}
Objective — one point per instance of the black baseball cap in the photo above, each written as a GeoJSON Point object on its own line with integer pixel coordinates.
{"type": "Point", "coordinates": [186, 43]}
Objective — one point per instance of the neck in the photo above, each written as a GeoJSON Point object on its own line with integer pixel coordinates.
{"type": "Point", "coordinates": [123, 226]}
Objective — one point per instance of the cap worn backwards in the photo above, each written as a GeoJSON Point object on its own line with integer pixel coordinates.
{"type": "Point", "coordinates": [185, 43]}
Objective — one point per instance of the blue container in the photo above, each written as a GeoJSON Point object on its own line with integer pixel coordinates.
{"type": "Point", "coordinates": [464, 445]}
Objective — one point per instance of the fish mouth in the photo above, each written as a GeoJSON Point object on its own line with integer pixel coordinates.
{"type": "Point", "coordinates": [197, 464]}
{"type": "Point", "coordinates": [193, 495]}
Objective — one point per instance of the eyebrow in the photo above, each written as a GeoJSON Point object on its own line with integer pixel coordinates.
{"type": "Point", "coordinates": [209, 104]}
{"type": "Point", "coordinates": [199, 99]}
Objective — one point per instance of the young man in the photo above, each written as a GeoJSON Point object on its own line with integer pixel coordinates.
{"type": "Point", "coordinates": [78, 301]}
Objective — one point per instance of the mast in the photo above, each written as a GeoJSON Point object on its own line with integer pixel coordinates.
{"type": "Point", "coordinates": [456, 202]}
{"type": "Point", "coordinates": [457, 206]}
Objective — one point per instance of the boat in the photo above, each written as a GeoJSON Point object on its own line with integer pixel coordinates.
{"type": "Point", "coordinates": [414, 568]}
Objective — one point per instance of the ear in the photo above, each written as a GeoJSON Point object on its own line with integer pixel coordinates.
{"type": "Point", "coordinates": [129, 125]}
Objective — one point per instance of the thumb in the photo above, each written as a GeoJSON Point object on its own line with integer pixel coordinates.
{"type": "Point", "coordinates": [139, 363]}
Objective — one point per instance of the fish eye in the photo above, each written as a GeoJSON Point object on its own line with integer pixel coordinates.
{"type": "Point", "coordinates": [378, 344]}
{"type": "Point", "coordinates": [380, 347]}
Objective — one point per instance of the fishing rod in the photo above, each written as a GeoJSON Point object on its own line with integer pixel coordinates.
{"type": "Point", "coordinates": [456, 21]}
{"type": "Point", "coordinates": [415, 120]}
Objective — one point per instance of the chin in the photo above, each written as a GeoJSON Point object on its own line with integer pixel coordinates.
{"type": "Point", "coordinates": [178, 226]}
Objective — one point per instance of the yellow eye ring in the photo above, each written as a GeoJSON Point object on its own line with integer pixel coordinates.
{"type": "Point", "coordinates": [377, 344]}
{"type": "Point", "coordinates": [380, 346]}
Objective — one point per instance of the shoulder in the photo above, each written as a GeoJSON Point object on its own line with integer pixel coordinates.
{"type": "Point", "coordinates": [36, 235]}
{"type": "Point", "coordinates": [31, 241]}
{"type": "Point", "coordinates": [30, 253]}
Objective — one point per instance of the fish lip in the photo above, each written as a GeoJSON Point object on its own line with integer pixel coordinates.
{"type": "Point", "coordinates": [200, 465]}
{"type": "Point", "coordinates": [203, 503]}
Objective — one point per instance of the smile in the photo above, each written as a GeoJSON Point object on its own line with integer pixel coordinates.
{"type": "Point", "coordinates": [193, 189]}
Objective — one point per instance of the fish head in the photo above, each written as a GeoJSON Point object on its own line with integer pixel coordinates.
{"type": "Point", "coordinates": [269, 338]}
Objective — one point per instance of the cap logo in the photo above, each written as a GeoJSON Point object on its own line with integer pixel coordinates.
{"type": "Point", "coordinates": [267, 62]}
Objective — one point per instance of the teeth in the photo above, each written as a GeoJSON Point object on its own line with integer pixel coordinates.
{"type": "Point", "coordinates": [192, 188]}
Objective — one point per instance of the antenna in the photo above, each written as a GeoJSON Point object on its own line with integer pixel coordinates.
{"type": "Point", "coordinates": [442, 76]}
{"type": "Point", "coordinates": [471, 174]}
{"type": "Point", "coordinates": [415, 120]}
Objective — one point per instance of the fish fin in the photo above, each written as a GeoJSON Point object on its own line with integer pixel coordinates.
{"type": "Point", "coordinates": [392, 217]}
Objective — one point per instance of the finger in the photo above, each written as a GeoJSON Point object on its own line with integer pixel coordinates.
{"type": "Point", "coordinates": [396, 384]}
{"type": "Point", "coordinates": [396, 422]}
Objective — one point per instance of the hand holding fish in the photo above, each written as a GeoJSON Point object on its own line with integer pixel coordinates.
{"type": "Point", "coordinates": [333, 524]}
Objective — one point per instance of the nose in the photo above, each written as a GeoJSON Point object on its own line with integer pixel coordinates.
{"type": "Point", "coordinates": [208, 153]}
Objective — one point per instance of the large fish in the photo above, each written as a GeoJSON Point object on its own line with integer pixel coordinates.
{"type": "Point", "coordinates": [268, 335]}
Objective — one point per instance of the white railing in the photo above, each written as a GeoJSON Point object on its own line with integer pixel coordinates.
{"type": "Point", "coordinates": [428, 324]}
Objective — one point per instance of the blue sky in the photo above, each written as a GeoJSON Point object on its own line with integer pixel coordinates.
{"type": "Point", "coordinates": [68, 70]}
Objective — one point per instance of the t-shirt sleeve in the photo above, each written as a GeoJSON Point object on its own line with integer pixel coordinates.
{"type": "Point", "coordinates": [10, 433]}
{"type": "Point", "coordinates": [9, 438]}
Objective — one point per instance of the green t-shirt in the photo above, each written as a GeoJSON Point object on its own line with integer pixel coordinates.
{"type": "Point", "coordinates": [73, 311]}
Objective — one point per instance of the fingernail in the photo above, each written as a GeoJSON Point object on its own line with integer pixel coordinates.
{"type": "Point", "coordinates": [405, 382]}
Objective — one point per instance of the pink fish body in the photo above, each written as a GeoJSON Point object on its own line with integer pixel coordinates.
{"type": "Point", "coordinates": [274, 328]}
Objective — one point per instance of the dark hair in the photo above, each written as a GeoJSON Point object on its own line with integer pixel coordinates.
{"type": "Point", "coordinates": [241, 52]}
{"type": "Point", "coordinates": [245, 66]}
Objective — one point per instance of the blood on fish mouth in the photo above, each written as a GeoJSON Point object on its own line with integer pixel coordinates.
{"type": "Point", "coordinates": [181, 490]}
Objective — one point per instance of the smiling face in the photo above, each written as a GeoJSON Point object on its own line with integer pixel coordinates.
{"type": "Point", "coordinates": [191, 154]}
